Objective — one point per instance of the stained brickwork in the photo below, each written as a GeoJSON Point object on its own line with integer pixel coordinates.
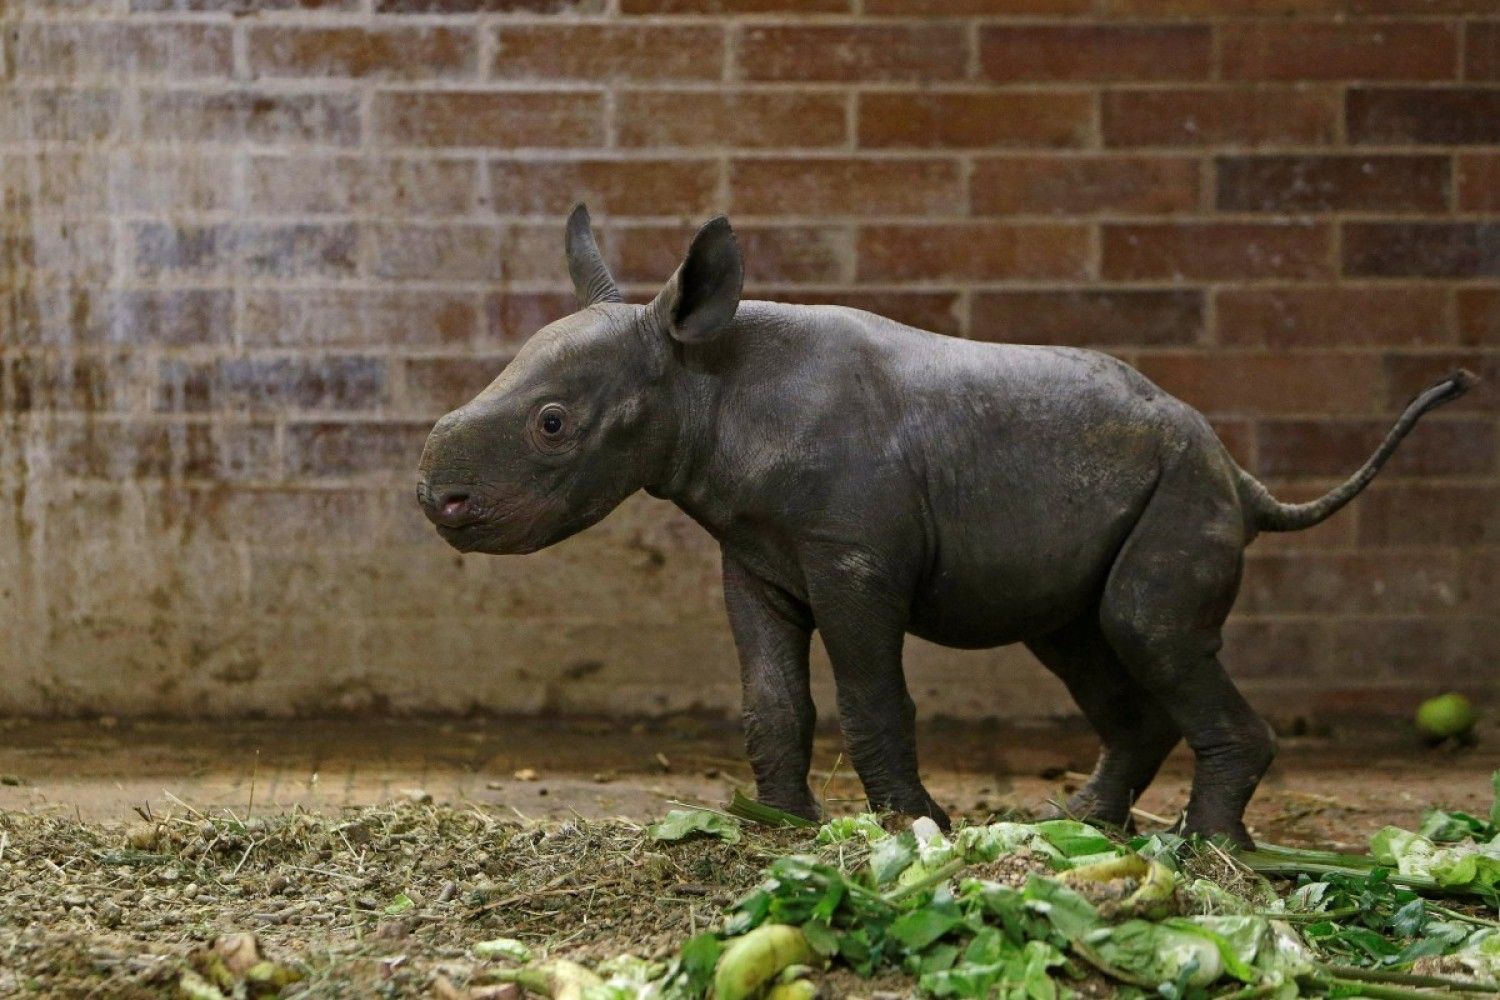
{"type": "Point", "coordinates": [249, 249]}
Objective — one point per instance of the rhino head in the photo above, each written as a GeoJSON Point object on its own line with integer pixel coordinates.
{"type": "Point", "coordinates": [588, 411]}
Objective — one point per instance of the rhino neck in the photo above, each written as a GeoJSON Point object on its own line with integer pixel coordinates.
{"type": "Point", "coordinates": [684, 436]}
{"type": "Point", "coordinates": [705, 471]}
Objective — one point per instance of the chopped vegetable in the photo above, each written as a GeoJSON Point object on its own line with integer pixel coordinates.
{"type": "Point", "coordinates": [746, 808]}
{"type": "Point", "coordinates": [559, 979]}
{"type": "Point", "coordinates": [503, 948]}
{"type": "Point", "coordinates": [844, 828]}
{"type": "Point", "coordinates": [797, 989]}
{"type": "Point", "coordinates": [682, 823]}
{"type": "Point", "coordinates": [923, 903]}
{"type": "Point", "coordinates": [752, 961]}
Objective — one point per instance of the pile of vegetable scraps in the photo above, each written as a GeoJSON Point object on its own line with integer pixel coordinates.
{"type": "Point", "coordinates": [1059, 909]}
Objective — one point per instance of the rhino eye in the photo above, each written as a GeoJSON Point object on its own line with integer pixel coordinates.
{"type": "Point", "coordinates": [552, 429]}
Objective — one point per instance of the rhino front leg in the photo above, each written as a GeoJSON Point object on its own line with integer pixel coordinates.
{"type": "Point", "coordinates": [864, 628]}
{"type": "Point", "coordinates": [772, 632]}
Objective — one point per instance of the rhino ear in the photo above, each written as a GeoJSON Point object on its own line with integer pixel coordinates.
{"type": "Point", "coordinates": [701, 298]}
{"type": "Point", "coordinates": [591, 279]}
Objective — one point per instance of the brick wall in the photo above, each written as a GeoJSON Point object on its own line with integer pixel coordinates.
{"type": "Point", "coordinates": [250, 250]}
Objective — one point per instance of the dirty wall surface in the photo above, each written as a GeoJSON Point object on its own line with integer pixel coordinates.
{"type": "Point", "coordinates": [250, 250]}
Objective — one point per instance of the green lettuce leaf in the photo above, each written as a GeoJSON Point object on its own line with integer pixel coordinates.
{"type": "Point", "coordinates": [865, 825]}
{"type": "Point", "coordinates": [682, 823]}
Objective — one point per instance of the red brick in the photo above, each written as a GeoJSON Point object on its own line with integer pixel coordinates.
{"type": "Point", "coordinates": [44, 249]}
{"type": "Point", "coordinates": [1216, 250]}
{"type": "Point", "coordinates": [1338, 50]}
{"type": "Point", "coordinates": [283, 516]}
{"type": "Point", "coordinates": [971, 119]}
{"type": "Point", "coordinates": [1422, 249]}
{"type": "Point", "coordinates": [1238, 437]}
{"type": "Point", "coordinates": [352, 185]}
{"type": "Point", "coordinates": [1481, 574]}
{"type": "Point", "coordinates": [1454, 652]}
{"type": "Point", "coordinates": [490, 6]}
{"type": "Point", "coordinates": [734, 6]}
{"type": "Point", "coordinates": [436, 385]}
{"type": "Point", "coordinates": [400, 53]}
{"type": "Point", "coordinates": [249, 116]}
{"type": "Point", "coordinates": [865, 53]}
{"type": "Point", "coordinates": [1332, 316]}
{"type": "Point", "coordinates": [512, 317]}
{"type": "Point", "coordinates": [455, 252]}
{"type": "Point", "coordinates": [56, 114]}
{"type": "Point", "coordinates": [1478, 182]}
{"type": "Point", "coordinates": [1479, 316]}
{"type": "Point", "coordinates": [1218, 8]}
{"type": "Point", "coordinates": [88, 384]}
{"type": "Point", "coordinates": [91, 318]}
{"type": "Point", "coordinates": [341, 382]}
{"type": "Point", "coordinates": [1349, 583]}
{"type": "Point", "coordinates": [1335, 448]}
{"type": "Point", "coordinates": [773, 254]}
{"type": "Point", "coordinates": [966, 8]}
{"type": "Point", "coordinates": [620, 187]}
{"type": "Point", "coordinates": [744, 119]}
{"type": "Point", "coordinates": [241, 6]}
{"type": "Point", "coordinates": [1386, 8]}
{"type": "Point", "coordinates": [972, 252]}
{"type": "Point", "coordinates": [324, 318]}
{"type": "Point", "coordinates": [388, 449]}
{"type": "Point", "coordinates": [137, 180]}
{"type": "Point", "coordinates": [1333, 183]}
{"type": "Point", "coordinates": [72, 51]}
{"type": "Point", "coordinates": [938, 312]}
{"type": "Point", "coordinates": [260, 250]}
{"type": "Point", "coordinates": [496, 119]}
{"type": "Point", "coordinates": [1482, 50]}
{"type": "Point", "coordinates": [1423, 115]}
{"type": "Point", "coordinates": [832, 187]}
{"type": "Point", "coordinates": [1260, 648]}
{"type": "Point", "coordinates": [1077, 185]}
{"type": "Point", "coordinates": [1220, 116]}
{"type": "Point", "coordinates": [1408, 374]}
{"type": "Point", "coordinates": [1357, 699]}
{"type": "Point", "coordinates": [1012, 53]}
{"type": "Point", "coordinates": [223, 452]}
{"type": "Point", "coordinates": [609, 52]}
{"type": "Point", "coordinates": [1085, 317]}
{"type": "Point", "coordinates": [175, 318]}
{"type": "Point", "coordinates": [1431, 515]}
{"type": "Point", "coordinates": [1251, 384]}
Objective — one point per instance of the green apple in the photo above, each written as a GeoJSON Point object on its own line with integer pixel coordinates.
{"type": "Point", "coordinates": [1446, 715]}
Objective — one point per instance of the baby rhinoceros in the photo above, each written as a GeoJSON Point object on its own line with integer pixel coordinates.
{"type": "Point", "coordinates": [869, 480]}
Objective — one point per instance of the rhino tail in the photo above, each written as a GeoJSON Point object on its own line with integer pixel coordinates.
{"type": "Point", "coordinates": [1267, 513]}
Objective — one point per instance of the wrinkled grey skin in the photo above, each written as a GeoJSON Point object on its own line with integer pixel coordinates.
{"type": "Point", "coordinates": [871, 480]}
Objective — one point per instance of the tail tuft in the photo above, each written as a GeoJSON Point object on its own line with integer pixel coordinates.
{"type": "Point", "coordinates": [1461, 382]}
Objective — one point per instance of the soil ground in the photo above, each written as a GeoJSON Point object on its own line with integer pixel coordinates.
{"type": "Point", "coordinates": [374, 853]}
{"type": "Point", "coordinates": [1332, 789]}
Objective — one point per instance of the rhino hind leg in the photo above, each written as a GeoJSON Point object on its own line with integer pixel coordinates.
{"type": "Point", "coordinates": [1162, 611]}
{"type": "Point", "coordinates": [1135, 732]}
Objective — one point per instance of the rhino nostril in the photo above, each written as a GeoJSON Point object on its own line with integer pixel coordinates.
{"type": "Point", "coordinates": [454, 504]}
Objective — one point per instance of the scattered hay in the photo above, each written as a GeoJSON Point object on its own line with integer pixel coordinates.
{"type": "Point", "coordinates": [388, 897]}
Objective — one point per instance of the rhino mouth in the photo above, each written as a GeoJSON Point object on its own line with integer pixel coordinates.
{"type": "Point", "coordinates": [491, 536]}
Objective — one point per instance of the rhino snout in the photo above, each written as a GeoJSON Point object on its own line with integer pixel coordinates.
{"type": "Point", "coordinates": [447, 507]}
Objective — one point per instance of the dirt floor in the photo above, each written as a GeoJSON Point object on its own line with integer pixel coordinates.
{"type": "Point", "coordinates": [1331, 789]}
{"type": "Point", "coordinates": [126, 848]}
